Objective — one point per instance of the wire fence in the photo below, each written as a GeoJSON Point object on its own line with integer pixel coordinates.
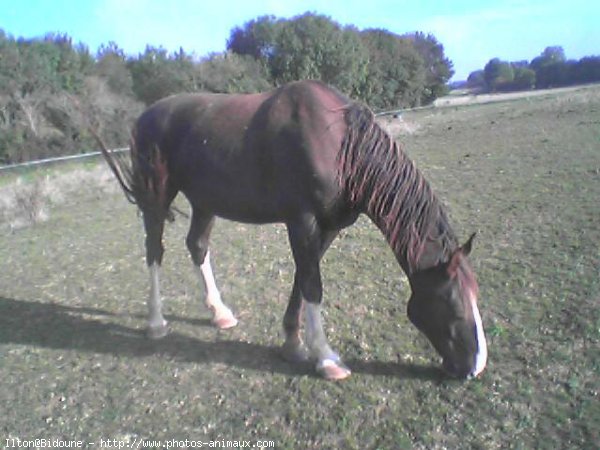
{"type": "Point", "coordinates": [91, 155]}
{"type": "Point", "coordinates": [58, 160]}
{"type": "Point", "coordinates": [64, 159]}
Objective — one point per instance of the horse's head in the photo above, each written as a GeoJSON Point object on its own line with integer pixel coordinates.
{"type": "Point", "coordinates": [443, 305]}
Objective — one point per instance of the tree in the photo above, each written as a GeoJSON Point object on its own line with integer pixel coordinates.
{"type": "Point", "coordinates": [498, 74]}
{"type": "Point", "coordinates": [587, 70]}
{"type": "Point", "coordinates": [395, 74]}
{"type": "Point", "coordinates": [377, 66]}
{"type": "Point", "coordinates": [49, 85]}
{"type": "Point", "coordinates": [111, 65]}
{"type": "Point", "coordinates": [71, 64]}
{"type": "Point", "coordinates": [524, 78]}
{"type": "Point", "coordinates": [476, 80]}
{"type": "Point", "coordinates": [312, 46]}
{"type": "Point", "coordinates": [156, 74]}
{"type": "Point", "coordinates": [230, 72]}
{"type": "Point", "coordinates": [550, 55]}
{"type": "Point", "coordinates": [550, 68]}
{"type": "Point", "coordinates": [45, 84]}
{"type": "Point", "coordinates": [438, 68]}
{"type": "Point", "coordinates": [110, 112]}
{"type": "Point", "coordinates": [255, 38]}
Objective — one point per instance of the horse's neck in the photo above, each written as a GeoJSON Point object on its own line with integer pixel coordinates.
{"type": "Point", "coordinates": [399, 252]}
{"type": "Point", "coordinates": [436, 247]}
{"type": "Point", "coordinates": [383, 182]}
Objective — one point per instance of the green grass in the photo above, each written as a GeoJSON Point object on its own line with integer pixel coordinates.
{"type": "Point", "coordinates": [524, 174]}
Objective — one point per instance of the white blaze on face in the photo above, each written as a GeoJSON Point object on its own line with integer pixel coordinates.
{"type": "Point", "coordinates": [481, 357]}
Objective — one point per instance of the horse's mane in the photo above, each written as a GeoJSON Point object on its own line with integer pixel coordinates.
{"type": "Point", "coordinates": [376, 175]}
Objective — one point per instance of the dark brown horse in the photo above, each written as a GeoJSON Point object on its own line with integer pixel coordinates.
{"type": "Point", "coordinates": [306, 156]}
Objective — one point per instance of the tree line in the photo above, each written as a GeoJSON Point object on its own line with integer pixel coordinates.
{"type": "Point", "coordinates": [48, 84]}
{"type": "Point", "coordinates": [550, 69]}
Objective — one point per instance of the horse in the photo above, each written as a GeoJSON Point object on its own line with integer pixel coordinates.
{"type": "Point", "coordinates": [309, 157]}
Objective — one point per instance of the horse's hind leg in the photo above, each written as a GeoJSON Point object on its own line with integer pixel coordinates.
{"type": "Point", "coordinates": [197, 243]}
{"type": "Point", "coordinates": [154, 225]}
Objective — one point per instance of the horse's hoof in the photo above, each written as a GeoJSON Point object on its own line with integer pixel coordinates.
{"type": "Point", "coordinates": [223, 323]}
{"type": "Point", "coordinates": [157, 332]}
{"type": "Point", "coordinates": [294, 353]}
{"type": "Point", "coordinates": [333, 370]}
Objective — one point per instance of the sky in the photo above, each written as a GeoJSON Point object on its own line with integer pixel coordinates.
{"type": "Point", "coordinates": [471, 31]}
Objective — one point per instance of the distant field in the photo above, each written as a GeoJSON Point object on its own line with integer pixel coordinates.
{"type": "Point", "coordinates": [461, 98]}
{"type": "Point", "coordinates": [525, 174]}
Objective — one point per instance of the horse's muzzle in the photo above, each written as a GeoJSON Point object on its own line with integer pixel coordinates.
{"type": "Point", "coordinates": [464, 373]}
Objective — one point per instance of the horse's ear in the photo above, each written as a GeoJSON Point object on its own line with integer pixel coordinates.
{"type": "Point", "coordinates": [454, 262]}
{"type": "Point", "coordinates": [466, 248]}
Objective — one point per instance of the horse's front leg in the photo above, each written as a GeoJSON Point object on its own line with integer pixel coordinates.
{"type": "Point", "coordinates": [293, 349]}
{"type": "Point", "coordinates": [308, 242]}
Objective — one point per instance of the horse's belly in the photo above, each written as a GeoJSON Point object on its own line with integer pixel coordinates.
{"type": "Point", "coordinates": [239, 204]}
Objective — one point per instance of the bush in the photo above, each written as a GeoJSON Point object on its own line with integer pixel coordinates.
{"type": "Point", "coordinates": [51, 89]}
{"type": "Point", "coordinates": [230, 72]}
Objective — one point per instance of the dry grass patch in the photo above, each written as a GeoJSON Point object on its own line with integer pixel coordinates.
{"type": "Point", "coordinates": [28, 199]}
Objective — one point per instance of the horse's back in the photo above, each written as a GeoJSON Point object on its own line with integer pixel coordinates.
{"type": "Point", "coordinates": [250, 157]}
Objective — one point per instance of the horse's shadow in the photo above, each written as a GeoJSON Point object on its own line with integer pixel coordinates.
{"type": "Point", "coordinates": [57, 326]}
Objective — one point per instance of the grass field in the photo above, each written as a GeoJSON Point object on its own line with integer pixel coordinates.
{"type": "Point", "coordinates": [525, 174]}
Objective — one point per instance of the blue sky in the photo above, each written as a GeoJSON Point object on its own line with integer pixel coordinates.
{"type": "Point", "coordinates": [472, 31]}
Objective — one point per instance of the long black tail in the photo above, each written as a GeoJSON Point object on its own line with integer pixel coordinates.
{"type": "Point", "coordinates": [143, 180]}
{"type": "Point", "coordinates": [123, 172]}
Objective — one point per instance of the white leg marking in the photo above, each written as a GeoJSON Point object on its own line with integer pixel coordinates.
{"type": "Point", "coordinates": [328, 362]}
{"type": "Point", "coordinates": [156, 321]}
{"type": "Point", "coordinates": [223, 317]}
{"type": "Point", "coordinates": [481, 358]}
{"type": "Point", "coordinates": [315, 336]}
